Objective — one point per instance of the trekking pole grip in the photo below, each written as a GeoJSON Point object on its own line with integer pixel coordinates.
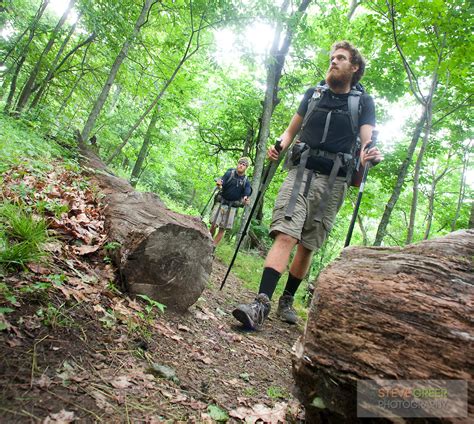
{"type": "Point", "coordinates": [373, 140]}
{"type": "Point", "coordinates": [278, 144]}
{"type": "Point", "coordinates": [372, 143]}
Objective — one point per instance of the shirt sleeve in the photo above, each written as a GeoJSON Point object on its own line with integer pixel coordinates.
{"type": "Point", "coordinates": [303, 107]}
{"type": "Point", "coordinates": [367, 115]}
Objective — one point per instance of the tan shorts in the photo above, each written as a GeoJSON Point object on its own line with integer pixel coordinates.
{"type": "Point", "coordinates": [310, 233]}
{"type": "Point", "coordinates": [223, 216]}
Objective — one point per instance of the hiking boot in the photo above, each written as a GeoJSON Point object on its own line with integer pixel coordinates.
{"type": "Point", "coordinates": [252, 315]}
{"type": "Point", "coordinates": [285, 309]}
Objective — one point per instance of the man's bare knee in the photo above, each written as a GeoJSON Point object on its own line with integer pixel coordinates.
{"type": "Point", "coordinates": [285, 239]}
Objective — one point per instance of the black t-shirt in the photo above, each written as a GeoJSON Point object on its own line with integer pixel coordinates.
{"type": "Point", "coordinates": [340, 137]}
{"type": "Point", "coordinates": [235, 187]}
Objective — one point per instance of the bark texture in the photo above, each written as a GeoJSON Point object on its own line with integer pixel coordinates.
{"type": "Point", "coordinates": [387, 313]}
{"type": "Point", "coordinates": [163, 254]}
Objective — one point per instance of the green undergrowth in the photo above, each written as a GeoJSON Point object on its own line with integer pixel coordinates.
{"type": "Point", "coordinates": [20, 142]}
{"type": "Point", "coordinates": [22, 237]}
{"type": "Point", "coordinates": [248, 267]}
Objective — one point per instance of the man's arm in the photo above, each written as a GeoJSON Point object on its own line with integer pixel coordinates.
{"type": "Point", "coordinates": [287, 137]}
{"type": "Point", "coordinates": [223, 180]}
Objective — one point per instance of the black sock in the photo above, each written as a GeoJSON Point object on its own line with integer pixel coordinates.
{"type": "Point", "coordinates": [269, 281]}
{"type": "Point", "coordinates": [292, 285]}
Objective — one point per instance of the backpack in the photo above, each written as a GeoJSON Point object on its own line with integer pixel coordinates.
{"type": "Point", "coordinates": [237, 203]}
{"type": "Point", "coordinates": [354, 109]}
{"type": "Point", "coordinates": [351, 160]}
{"type": "Point", "coordinates": [233, 177]}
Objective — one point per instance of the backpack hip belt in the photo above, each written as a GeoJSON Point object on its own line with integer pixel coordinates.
{"type": "Point", "coordinates": [232, 203]}
{"type": "Point", "coordinates": [339, 160]}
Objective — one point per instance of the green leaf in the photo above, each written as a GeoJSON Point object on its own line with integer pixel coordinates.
{"type": "Point", "coordinates": [318, 403]}
{"type": "Point", "coordinates": [217, 413]}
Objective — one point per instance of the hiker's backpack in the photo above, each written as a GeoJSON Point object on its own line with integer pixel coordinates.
{"type": "Point", "coordinates": [300, 152]}
{"type": "Point", "coordinates": [237, 203]}
{"type": "Point", "coordinates": [354, 109]}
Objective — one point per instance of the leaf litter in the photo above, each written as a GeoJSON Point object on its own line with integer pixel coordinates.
{"type": "Point", "coordinates": [93, 353]}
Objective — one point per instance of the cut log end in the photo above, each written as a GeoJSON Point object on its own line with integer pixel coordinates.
{"type": "Point", "coordinates": [163, 254]}
{"type": "Point", "coordinates": [171, 265]}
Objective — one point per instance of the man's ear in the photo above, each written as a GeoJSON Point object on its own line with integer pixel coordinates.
{"type": "Point", "coordinates": [355, 68]}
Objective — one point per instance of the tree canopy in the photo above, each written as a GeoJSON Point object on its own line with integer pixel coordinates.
{"type": "Point", "coordinates": [172, 93]}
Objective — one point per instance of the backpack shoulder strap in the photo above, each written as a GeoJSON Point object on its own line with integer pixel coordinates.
{"type": "Point", "coordinates": [319, 90]}
{"type": "Point", "coordinates": [354, 109]}
{"type": "Point", "coordinates": [233, 177]}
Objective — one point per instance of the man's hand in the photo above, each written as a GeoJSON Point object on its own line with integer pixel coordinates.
{"type": "Point", "coordinates": [245, 200]}
{"type": "Point", "coordinates": [219, 183]}
{"type": "Point", "coordinates": [372, 154]}
{"type": "Point", "coordinates": [272, 153]}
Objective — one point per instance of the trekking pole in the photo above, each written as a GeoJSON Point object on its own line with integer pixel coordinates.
{"type": "Point", "coordinates": [367, 166]}
{"type": "Point", "coordinates": [210, 198]}
{"type": "Point", "coordinates": [267, 176]}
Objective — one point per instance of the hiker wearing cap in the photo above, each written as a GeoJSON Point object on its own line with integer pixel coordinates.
{"type": "Point", "coordinates": [328, 125]}
{"type": "Point", "coordinates": [234, 192]}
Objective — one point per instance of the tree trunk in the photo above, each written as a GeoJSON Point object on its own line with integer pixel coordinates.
{"type": "Point", "coordinates": [99, 103]}
{"type": "Point", "coordinates": [186, 55]}
{"type": "Point", "coordinates": [276, 61]}
{"type": "Point", "coordinates": [23, 55]}
{"type": "Point", "coordinates": [14, 45]}
{"type": "Point", "coordinates": [471, 216]}
{"type": "Point", "coordinates": [352, 8]}
{"type": "Point", "coordinates": [126, 137]}
{"type": "Point", "coordinates": [115, 98]}
{"type": "Point", "coordinates": [431, 197]}
{"type": "Point", "coordinates": [429, 216]}
{"type": "Point", "coordinates": [162, 254]}
{"type": "Point", "coordinates": [462, 187]}
{"type": "Point", "coordinates": [402, 173]}
{"type": "Point", "coordinates": [76, 83]}
{"type": "Point", "coordinates": [137, 169]}
{"type": "Point", "coordinates": [426, 102]}
{"type": "Point", "coordinates": [416, 181]}
{"type": "Point", "coordinates": [387, 313]}
{"type": "Point", "coordinates": [429, 99]}
{"type": "Point", "coordinates": [27, 89]}
{"type": "Point", "coordinates": [248, 141]}
{"type": "Point", "coordinates": [41, 87]}
{"type": "Point", "coordinates": [365, 240]}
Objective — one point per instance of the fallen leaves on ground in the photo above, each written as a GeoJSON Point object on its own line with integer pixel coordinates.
{"type": "Point", "coordinates": [95, 352]}
{"type": "Point", "coordinates": [261, 412]}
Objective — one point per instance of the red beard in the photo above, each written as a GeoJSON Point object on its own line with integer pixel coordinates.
{"type": "Point", "coordinates": [338, 78]}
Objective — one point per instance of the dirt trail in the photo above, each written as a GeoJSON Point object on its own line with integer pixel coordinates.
{"type": "Point", "coordinates": [88, 364]}
{"type": "Point", "coordinates": [74, 348]}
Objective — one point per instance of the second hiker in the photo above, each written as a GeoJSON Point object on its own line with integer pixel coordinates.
{"type": "Point", "coordinates": [328, 121]}
{"type": "Point", "coordinates": [234, 191]}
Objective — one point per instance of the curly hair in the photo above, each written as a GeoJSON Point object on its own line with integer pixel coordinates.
{"type": "Point", "coordinates": [356, 59]}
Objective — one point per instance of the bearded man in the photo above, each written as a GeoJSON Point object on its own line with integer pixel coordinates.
{"type": "Point", "coordinates": [314, 189]}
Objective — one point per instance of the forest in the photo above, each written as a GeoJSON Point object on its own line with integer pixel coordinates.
{"type": "Point", "coordinates": [171, 94]}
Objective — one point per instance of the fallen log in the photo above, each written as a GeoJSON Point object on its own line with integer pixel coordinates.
{"type": "Point", "coordinates": [387, 313]}
{"type": "Point", "coordinates": [162, 254]}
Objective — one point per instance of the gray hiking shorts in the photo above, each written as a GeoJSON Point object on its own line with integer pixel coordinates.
{"type": "Point", "coordinates": [223, 216]}
{"type": "Point", "coordinates": [310, 233]}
